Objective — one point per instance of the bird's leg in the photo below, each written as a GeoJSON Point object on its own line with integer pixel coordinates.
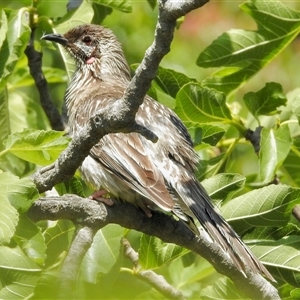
{"type": "Point", "coordinates": [97, 195]}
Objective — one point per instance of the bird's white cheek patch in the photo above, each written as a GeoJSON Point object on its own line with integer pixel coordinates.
{"type": "Point", "coordinates": [90, 60]}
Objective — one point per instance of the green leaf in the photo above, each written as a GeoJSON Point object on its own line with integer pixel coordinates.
{"type": "Point", "coordinates": [8, 220]}
{"type": "Point", "coordinates": [37, 146]}
{"type": "Point", "coordinates": [200, 105]}
{"type": "Point", "coordinates": [171, 81]}
{"type": "Point", "coordinates": [82, 15]}
{"type": "Point", "coordinates": [21, 192]}
{"type": "Point", "coordinates": [71, 186]}
{"type": "Point", "coordinates": [205, 133]}
{"type": "Point", "coordinates": [152, 3]}
{"type": "Point", "coordinates": [58, 238]}
{"type": "Point", "coordinates": [18, 274]}
{"type": "Point", "coordinates": [122, 5]}
{"type": "Point", "coordinates": [268, 206]}
{"type": "Point", "coordinates": [103, 254]}
{"type": "Point", "coordinates": [30, 239]}
{"type": "Point", "coordinates": [154, 253]}
{"type": "Point", "coordinates": [275, 145]}
{"type": "Point", "coordinates": [243, 52]}
{"type": "Point", "coordinates": [296, 108]}
{"type": "Point", "coordinates": [281, 257]}
{"type": "Point", "coordinates": [265, 101]}
{"type": "Point", "coordinates": [4, 117]}
{"type": "Point", "coordinates": [291, 165]}
{"type": "Point", "coordinates": [223, 288]}
{"type": "Point", "coordinates": [224, 186]}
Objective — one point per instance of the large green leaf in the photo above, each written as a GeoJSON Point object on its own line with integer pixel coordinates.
{"type": "Point", "coordinates": [154, 253]}
{"type": "Point", "coordinates": [281, 257]}
{"type": "Point", "coordinates": [200, 105]}
{"type": "Point", "coordinates": [18, 274]}
{"type": "Point", "coordinates": [37, 146]}
{"type": "Point", "coordinates": [268, 206]}
{"type": "Point", "coordinates": [275, 145]}
{"type": "Point", "coordinates": [14, 36]}
{"type": "Point", "coordinates": [103, 254]}
{"type": "Point", "coordinates": [243, 52]}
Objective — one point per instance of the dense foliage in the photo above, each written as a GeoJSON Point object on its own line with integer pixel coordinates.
{"type": "Point", "coordinates": [249, 142]}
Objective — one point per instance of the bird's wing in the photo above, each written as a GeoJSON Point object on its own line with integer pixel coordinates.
{"type": "Point", "coordinates": [125, 156]}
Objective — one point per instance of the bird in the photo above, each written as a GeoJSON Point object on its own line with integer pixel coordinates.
{"type": "Point", "coordinates": [152, 176]}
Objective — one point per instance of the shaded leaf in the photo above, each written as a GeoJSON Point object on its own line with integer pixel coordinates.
{"type": "Point", "coordinates": [265, 101]}
{"type": "Point", "coordinates": [58, 238]}
{"type": "Point", "coordinates": [205, 134]}
{"type": "Point", "coordinates": [154, 253]}
{"type": "Point", "coordinates": [223, 288]}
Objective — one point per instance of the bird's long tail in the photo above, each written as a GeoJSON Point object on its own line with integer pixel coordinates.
{"type": "Point", "coordinates": [195, 197]}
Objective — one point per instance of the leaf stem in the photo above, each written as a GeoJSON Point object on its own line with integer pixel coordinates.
{"type": "Point", "coordinates": [227, 154]}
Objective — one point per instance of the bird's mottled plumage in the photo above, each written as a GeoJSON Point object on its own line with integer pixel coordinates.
{"type": "Point", "coordinates": [149, 175]}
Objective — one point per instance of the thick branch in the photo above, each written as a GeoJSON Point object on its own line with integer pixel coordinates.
{"type": "Point", "coordinates": [35, 68]}
{"type": "Point", "coordinates": [69, 271]}
{"type": "Point", "coordinates": [96, 215]}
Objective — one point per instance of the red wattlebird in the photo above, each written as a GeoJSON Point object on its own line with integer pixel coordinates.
{"type": "Point", "coordinates": [149, 175]}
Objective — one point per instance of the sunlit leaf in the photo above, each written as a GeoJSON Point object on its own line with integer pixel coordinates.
{"type": "Point", "coordinates": [275, 145]}
{"type": "Point", "coordinates": [268, 206]}
{"type": "Point", "coordinates": [245, 52]}
{"type": "Point", "coordinates": [37, 146]}
{"type": "Point", "coordinates": [197, 104]}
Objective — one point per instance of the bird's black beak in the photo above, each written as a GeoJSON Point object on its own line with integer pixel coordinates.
{"type": "Point", "coordinates": [55, 37]}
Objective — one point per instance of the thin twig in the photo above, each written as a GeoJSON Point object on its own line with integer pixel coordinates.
{"type": "Point", "coordinates": [156, 281]}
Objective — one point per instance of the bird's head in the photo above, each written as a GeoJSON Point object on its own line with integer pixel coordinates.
{"type": "Point", "coordinates": [93, 47]}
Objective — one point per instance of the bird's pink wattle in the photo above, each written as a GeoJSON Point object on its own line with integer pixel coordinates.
{"type": "Point", "coordinates": [90, 60]}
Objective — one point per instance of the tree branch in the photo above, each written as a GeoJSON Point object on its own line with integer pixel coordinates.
{"type": "Point", "coordinates": [35, 68]}
{"type": "Point", "coordinates": [70, 267]}
{"type": "Point", "coordinates": [96, 215]}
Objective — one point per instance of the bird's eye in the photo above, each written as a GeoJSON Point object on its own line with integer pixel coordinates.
{"type": "Point", "coordinates": [87, 40]}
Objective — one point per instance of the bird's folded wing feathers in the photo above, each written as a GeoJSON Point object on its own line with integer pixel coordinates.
{"type": "Point", "coordinates": [125, 156]}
